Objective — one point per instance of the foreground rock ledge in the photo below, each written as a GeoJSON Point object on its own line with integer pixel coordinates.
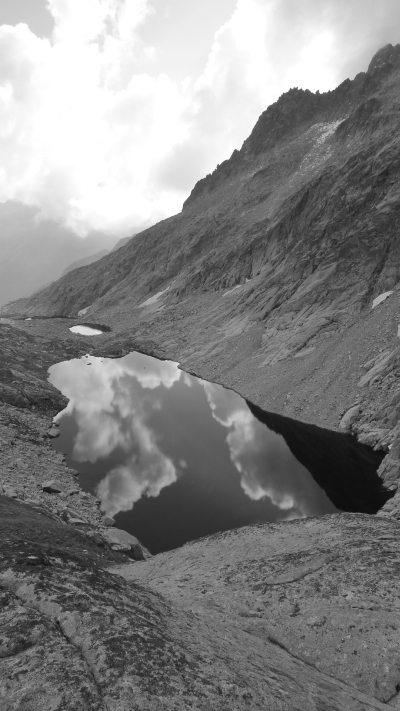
{"type": "Point", "coordinates": [298, 615]}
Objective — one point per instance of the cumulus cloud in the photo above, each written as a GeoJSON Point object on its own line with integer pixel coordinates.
{"type": "Point", "coordinates": [111, 413]}
{"type": "Point", "coordinates": [145, 473]}
{"type": "Point", "coordinates": [95, 139]}
{"type": "Point", "coordinates": [151, 372]}
{"type": "Point", "coordinates": [267, 467]}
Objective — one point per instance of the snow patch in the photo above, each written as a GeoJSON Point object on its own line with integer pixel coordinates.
{"type": "Point", "coordinates": [232, 290]}
{"type": "Point", "coordinates": [318, 133]}
{"type": "Point", "coordinates": [153, 299]}
{"type": "Point", "coordinates": [83, 311]}
{"type": "Point", "coordinates": [381, 298]}
{"type": "Point", "coordinates": [85, 331]}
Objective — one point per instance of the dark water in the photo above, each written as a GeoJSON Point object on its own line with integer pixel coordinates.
{"type": "Point", "coordinates": [173, 457]}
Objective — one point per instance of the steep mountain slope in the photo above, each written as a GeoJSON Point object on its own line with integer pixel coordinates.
{"type": "Point", "coordinates": [311, 197]}
{"type": "Point", "coordinates": [85, 261]}
{"type": "Point", "coordinates": [265, 280]}
{"type": "Point", "coordinates": [34, 252]}
{"type": "Point", "coordinates": [121, 242]}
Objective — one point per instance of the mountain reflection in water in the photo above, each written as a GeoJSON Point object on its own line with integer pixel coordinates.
{"type": "Point", "coordinates": [173, 457]}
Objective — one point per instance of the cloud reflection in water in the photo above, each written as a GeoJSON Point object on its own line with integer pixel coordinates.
{"type": "Point", "coordinates": [112, 408]}
{"type": "Point", "coordinates": [115, 402]}
{"type": "Point", "coordinates": [267, 466]}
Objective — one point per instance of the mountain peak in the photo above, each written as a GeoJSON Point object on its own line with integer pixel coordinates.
{"type": "Point", "coordinates": [387, 55]}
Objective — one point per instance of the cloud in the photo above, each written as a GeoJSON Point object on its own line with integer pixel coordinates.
{"type": "Point", "coordinates": [146, 473]}
{"type": "Point", "coordinates": [151, 372]}
{"type": "Point", "coordinates": [111, 413]}
{"type": "Point", "coordinates": [267, 467]}
{"type": "Point", "coordinates": [95, 139]}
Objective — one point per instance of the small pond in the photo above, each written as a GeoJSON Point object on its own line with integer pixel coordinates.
{"type": "Point", "coordinates": [89, 329]}
{"type": "Point", "coordinates": [173, 457]}
{"type": "Point", "coordinates": [85, 331]}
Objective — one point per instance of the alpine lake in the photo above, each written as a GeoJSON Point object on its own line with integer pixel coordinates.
{"type": "Point", "coordinates": [173, 457]}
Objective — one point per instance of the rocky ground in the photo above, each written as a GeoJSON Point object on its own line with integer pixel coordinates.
{"type": "Point", "coordinates": [30, 469]}
{"type": "Point", "coordinates": [318, 594]}
{"type": "Point", "coordinates": [300, 615]}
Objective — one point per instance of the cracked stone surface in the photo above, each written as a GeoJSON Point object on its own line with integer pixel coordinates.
{"type": "Point", "coordinates": [258, 618]}
{"type": "Point", "coordinates": [323, 591]}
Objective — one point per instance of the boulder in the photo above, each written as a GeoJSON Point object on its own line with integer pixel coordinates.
{"type": "Point", "coordinates": [8, 491]}
{"type": "Point", "coordinates": [75, 521]}
{"type": "Point", "coordinates": [122, 541]}
{"type": "Point", "coordinates": [95, 537]}
{"type": "Point", "coordinates": [54, 432]}
{"type": "Point", "coordinates": [108, 521]}
{"type": "Point", "coordinates": [349, 417]}
{"type": "Point", "coordinates": [21, 465]}
{"type": "Point", "coordinates": [53, 487]}
{"type": "Point", "coordinates": [73, 517]}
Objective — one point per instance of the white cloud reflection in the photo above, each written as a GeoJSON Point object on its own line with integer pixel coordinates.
{"type": "Point", "coordinates": [267, 467]}
{"type": "Point", "coordinates": [110, 413]}
{"type": "Point", "coordinates": [114, 403]}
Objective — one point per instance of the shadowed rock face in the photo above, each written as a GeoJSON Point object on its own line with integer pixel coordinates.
{"type": "Point", "coordinates": [345, 469]}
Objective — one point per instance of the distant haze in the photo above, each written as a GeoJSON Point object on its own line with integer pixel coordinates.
{"type": "Point", "coordinates": [33, 254]}
{"type": "Point", "coordinates": [111, 110]}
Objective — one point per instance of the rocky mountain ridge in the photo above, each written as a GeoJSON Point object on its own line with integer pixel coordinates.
{"type": "Point", "coordinates": [86, 260]}
{"type": "Point", "coordinates": [265, 280]}
{"type": "Point", "coordinates": [269, 213]}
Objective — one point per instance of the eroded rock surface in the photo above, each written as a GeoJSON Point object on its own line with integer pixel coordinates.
{"type": "Point", "coordinates": [300, 615]}
{"type": "Point", "coordinates": [322, 593]}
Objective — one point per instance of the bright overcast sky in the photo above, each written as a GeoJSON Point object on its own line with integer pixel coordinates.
{"type": "Point", "coordinates": [110, 110]}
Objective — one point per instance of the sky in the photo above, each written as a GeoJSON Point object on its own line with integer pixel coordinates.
{"type": "Point", "coordinates": [111, 110]}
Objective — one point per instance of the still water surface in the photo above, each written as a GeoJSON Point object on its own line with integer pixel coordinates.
{"type": "Point", "coordinates": [173, 457]}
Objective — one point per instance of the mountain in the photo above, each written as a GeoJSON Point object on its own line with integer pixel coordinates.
{"type": "Point", "coordinates": [121, 242]}
{"type": "Point", "coordinates": [95, 257]}
{"type": "Point", "coordinates": [310, 200]}
{"type": "Point", "coordinates": [279, 278]}
{"type": "Point", "coordinates": [34, 252]}
{"type": "Point", "coordinates": [85, 261]}
{"type": "Point", "coordinates": [265, 280]}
